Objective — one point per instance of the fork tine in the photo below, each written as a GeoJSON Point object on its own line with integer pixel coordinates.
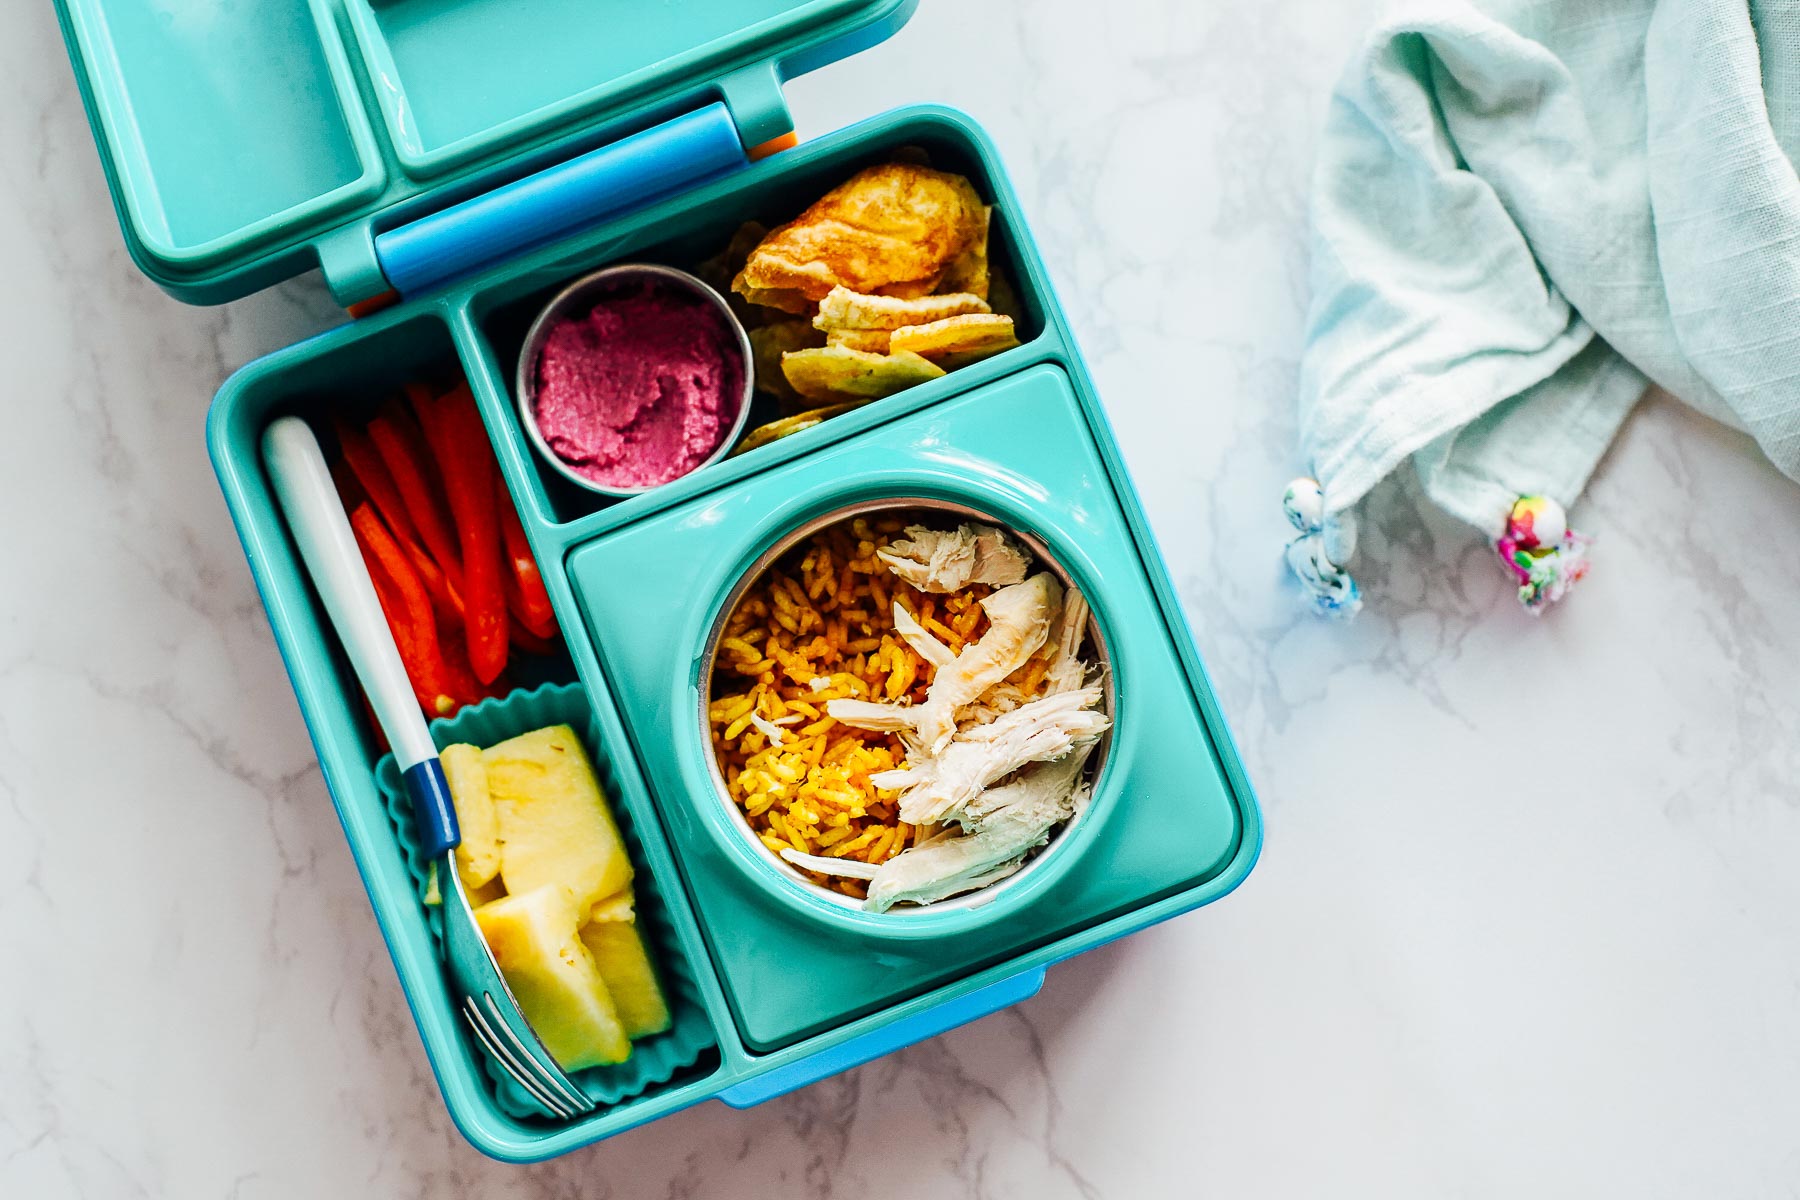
{"type": "Point", "coordinates": [553, 1080]}
{"type": "Point", "coordinates": [504, 1033]}
{"type": "Point", "coordinates": [498, 1051]}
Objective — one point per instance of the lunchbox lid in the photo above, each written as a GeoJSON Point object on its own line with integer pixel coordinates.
{"type": "Point", "coordinates": [396, 144]}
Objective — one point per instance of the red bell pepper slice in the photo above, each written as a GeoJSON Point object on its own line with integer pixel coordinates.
{"type": "Point", "coordinates": [370, 479]}
{"type": "Point", "coordinates": [408, 610]}
{"type": "Point", "coordinates": [366, 465]}
{"type": "Point", "coordinates": [437, 683]}
{"type": "Point", "coordinates": [446, 601]}
{"type": "Point", "coordinates": [456, 656]}
{"type": "Point", "coordinates": [465, 462]}
{"type": "Point", "coordinates": [397, 440]}
{"type": "Point", "coordinates": [525, 592]}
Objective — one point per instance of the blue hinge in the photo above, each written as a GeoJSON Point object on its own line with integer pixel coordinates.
{"type": "Point", "coordinates": [564, 199]}
{"type": "Point", "coordinates": [885, 1040]}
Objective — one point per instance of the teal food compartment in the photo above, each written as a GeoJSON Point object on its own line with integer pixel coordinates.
{"type": "Point", "coordinates": [1162, 818]}
{"type": "Point", "coordinates": [400, 146]}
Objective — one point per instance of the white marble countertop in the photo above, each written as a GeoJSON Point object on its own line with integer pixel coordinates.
{"type": "Point", "coordinates": [1528, 921]}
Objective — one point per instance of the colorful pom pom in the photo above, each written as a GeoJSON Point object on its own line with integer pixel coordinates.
{"type": "Point", "coordinates": [1544, 556]}
{"type": "Point", "coordinates": [1537, 522]}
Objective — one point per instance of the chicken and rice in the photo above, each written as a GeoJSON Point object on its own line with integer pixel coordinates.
{"type": "Point", "coordinates": [903, 710]}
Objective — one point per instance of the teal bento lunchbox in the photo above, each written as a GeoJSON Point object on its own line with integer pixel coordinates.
{"type": "Point", "coordinates": [448, 166]}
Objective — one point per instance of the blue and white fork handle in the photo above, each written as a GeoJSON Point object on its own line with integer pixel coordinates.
{"type": "Point", "coordinates": [316, 517]}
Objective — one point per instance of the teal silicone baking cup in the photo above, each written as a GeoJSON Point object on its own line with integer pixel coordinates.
{"type": "Point", "coordinates": [654, 1060]}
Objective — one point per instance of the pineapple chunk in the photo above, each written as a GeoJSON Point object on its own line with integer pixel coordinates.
{"type": "Point", "coordinates": [618, 950]}
{"type": "Point", "coordinates": [621, 906]}
{"type": "Point", "coordinates": [555, 826]}
{"type": "Point", "coordinates": [478, 857]}
{"type": "Point", "coordinates": [554, 978]}
{"type": "Point", "coordinates": [487, 893]}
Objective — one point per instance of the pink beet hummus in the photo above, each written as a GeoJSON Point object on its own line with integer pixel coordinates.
{"type": "Point", "coordinates": [641, 388]}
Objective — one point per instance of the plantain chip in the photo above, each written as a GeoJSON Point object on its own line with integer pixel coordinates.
{"type": "Point", "coordinates": [839, 373]}
{"type": "Point", "coordinates": [869, 341]}
{"type": "Point", "coordinates": [769, 342]}
{"type": "Point", "coordinates": [774, 431]}
{"type": "Point", "coordinates": [913, 290]}
{"type": "Point", "coordinates": [845, 309]}
{"type": "Point", "coordinates": [897, 223]}
{"type": "Point", "coordinates": [968, 271]}
{"type": "Point", "coordinates": [967, 338]}
{"type": "Point", "coordinates": [786, 299]}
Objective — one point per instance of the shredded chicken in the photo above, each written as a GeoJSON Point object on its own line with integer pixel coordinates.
{"type": "Point", "coordinates": [946, 561]}
{"type": "Point", "coordinates": [1067, 672]}
{"type": "Point", "coordinates": [1017, 819]}
{"type": "Point", "coordinates": [997, 702]}
{"type": "Point", "coordinates": [772, 729]}
{"type": "Point", "coordinates": [923, 642]}
{"type": "Point", "coordinates": [925, 889]}
{"type": "Point", "coordinates": [875, 717]}
{"type": "Point", "coordinates": [938, 788]}
{"type": "Point", "coordinates": [849, 868]}
{"type": "Point", "coordinates": [1043, 794]}
{"type": "Point", "coordinates": [1019, 620]}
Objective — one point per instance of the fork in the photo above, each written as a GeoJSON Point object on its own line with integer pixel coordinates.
{"type": "Point", "coordinates": [314, 513]}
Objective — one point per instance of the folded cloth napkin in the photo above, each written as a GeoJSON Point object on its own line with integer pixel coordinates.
{"type": "Point", "coordinates": [1523, 212]}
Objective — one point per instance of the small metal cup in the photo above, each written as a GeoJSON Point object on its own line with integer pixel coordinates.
{"type": "Point", "coordinates": [578, 297]}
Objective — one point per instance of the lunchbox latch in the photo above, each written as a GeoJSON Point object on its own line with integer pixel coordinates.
{"type": "Point", "coordinates": [351, 268]}
{"type": "Point", "coordinates": [750, 120]}
{"type": "Point", "coordinates": [754, 97]}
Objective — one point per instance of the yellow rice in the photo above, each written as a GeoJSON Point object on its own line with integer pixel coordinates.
{"type": "Point", "coordinates": [818, 626]}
